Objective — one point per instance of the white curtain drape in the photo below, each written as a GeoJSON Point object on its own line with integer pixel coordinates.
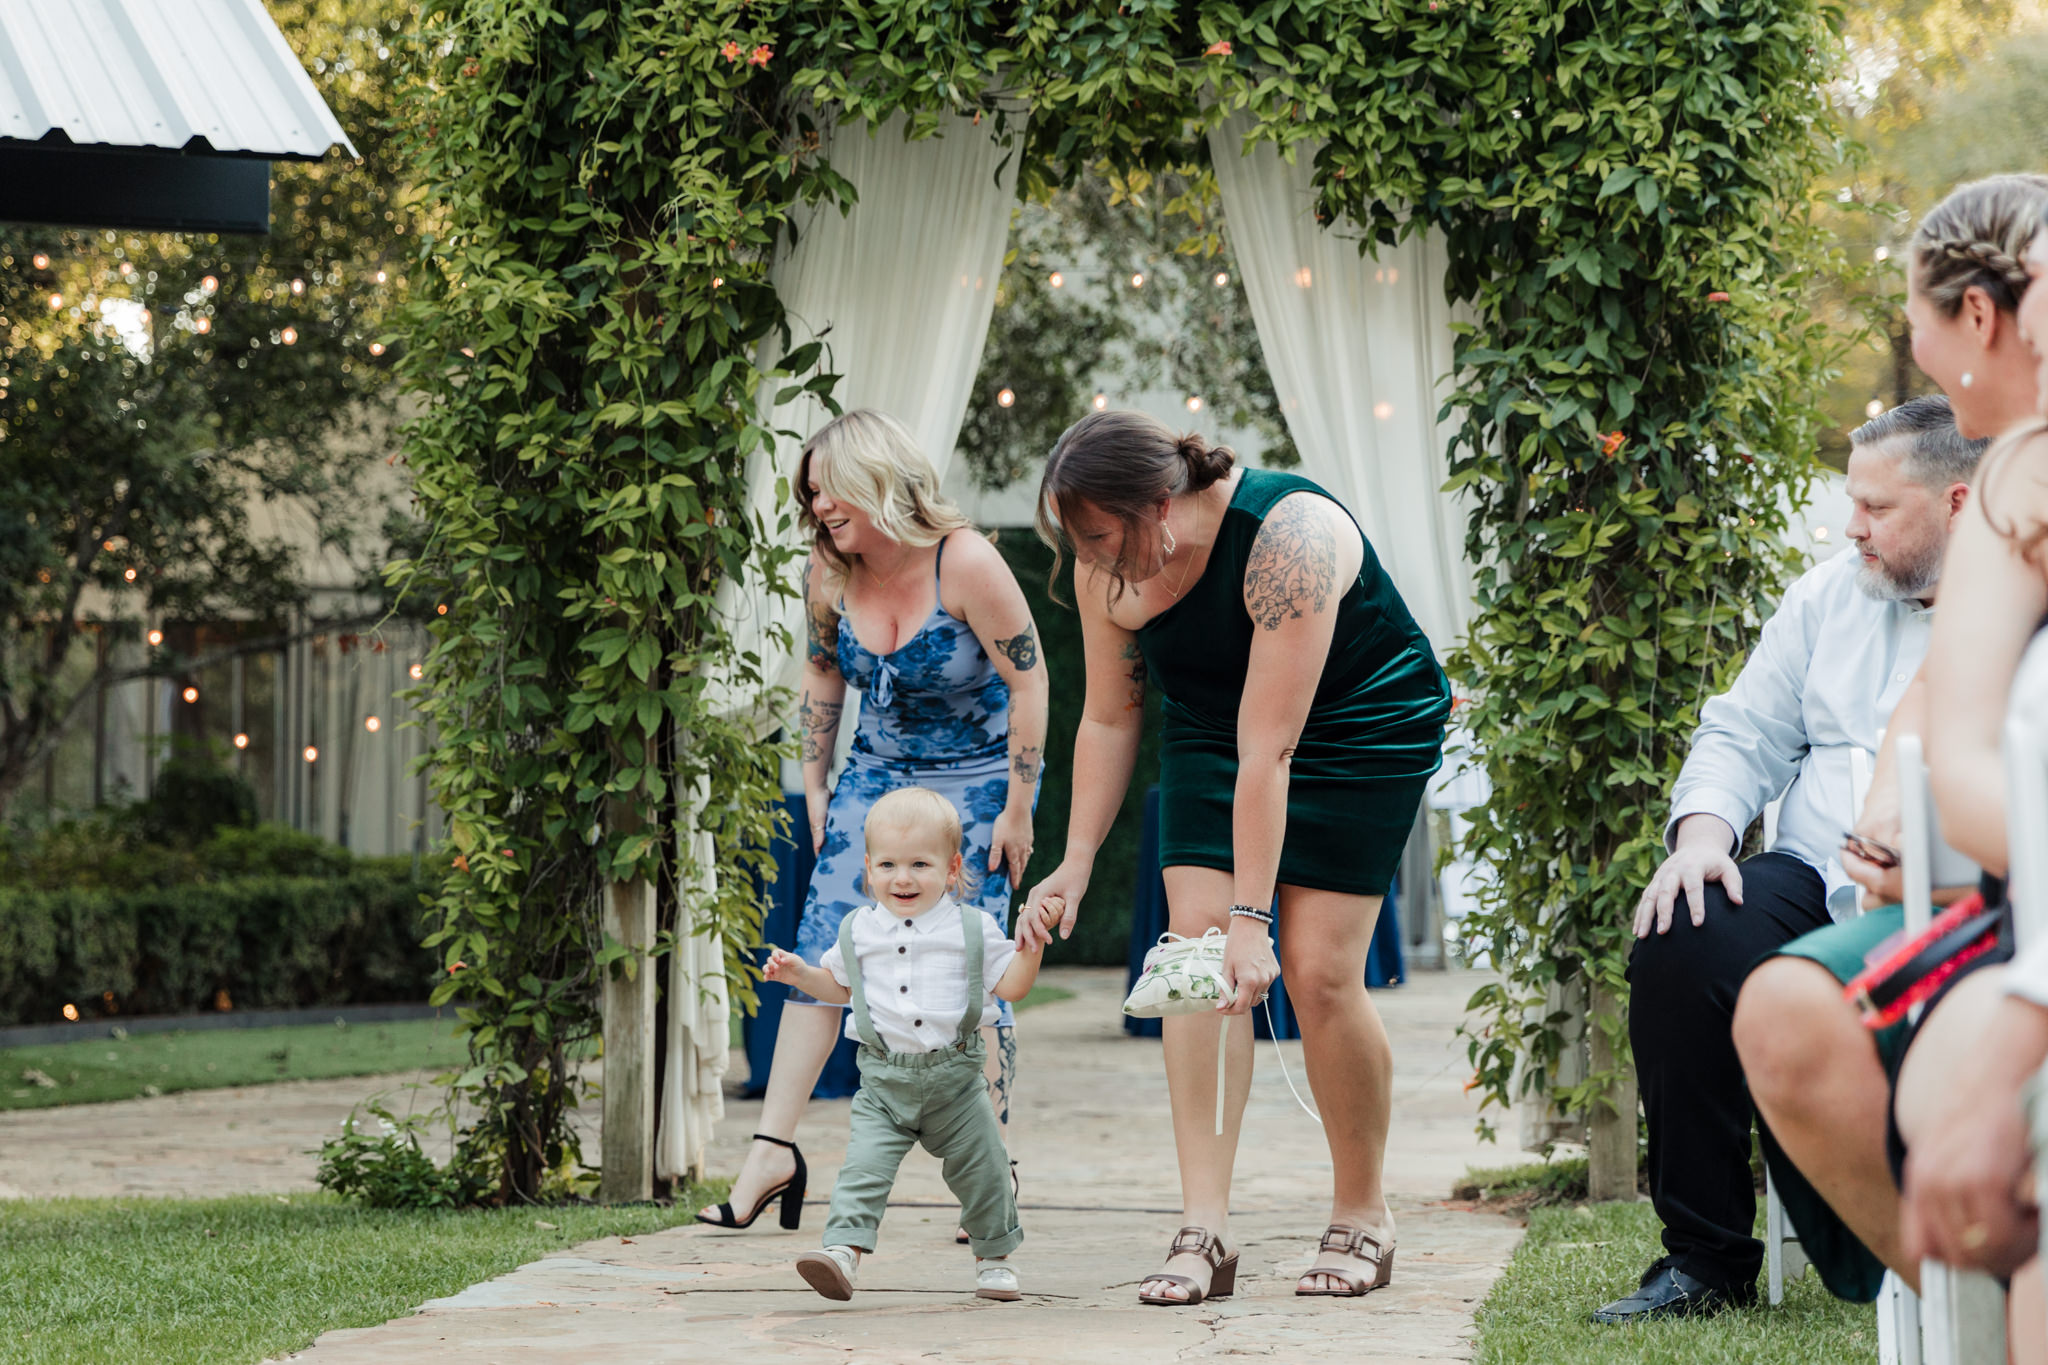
{"type": "Point", "coordinates": [699, 1027]}
{"type": "Point", "coordinates": [1358, 347]}
{"type": "Point", "coordinates": [901, 290]}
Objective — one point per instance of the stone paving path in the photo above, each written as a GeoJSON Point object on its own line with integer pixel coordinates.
{"type": "Point", "coordinates": [1099, 1204]}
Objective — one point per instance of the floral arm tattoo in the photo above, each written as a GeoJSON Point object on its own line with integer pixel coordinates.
{"type": "Point", "coordinates": [821, 631]}
{"type": "Point", "coordinates": [1293, 566]}
{"type": "Point", "coordinates": [1135, 658]}
{"type": "Point", "coordinates": [1021, 650]}
{"type": "Point", "coordinates": [1026, 762]}
{"type": "Point", "coordinates": [819, 721]}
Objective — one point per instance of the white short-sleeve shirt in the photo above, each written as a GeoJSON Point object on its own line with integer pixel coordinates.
{"type": "Point", "coordinates": [915, 974]}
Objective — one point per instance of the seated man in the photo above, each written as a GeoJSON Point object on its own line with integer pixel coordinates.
{"type": "Point", "coordinates": [1819, 686]}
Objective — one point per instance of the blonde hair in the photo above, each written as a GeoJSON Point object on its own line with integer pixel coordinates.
{"type": "Point", "coordinates": [870, 461]}
{"type": "Point", "coordinates": [1976, 238]}
{"type": "Point", "coordinates": [921, 808]}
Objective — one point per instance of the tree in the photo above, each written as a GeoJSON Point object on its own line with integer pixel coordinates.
{"type": "Point", "coordinates": [1052, 344]}
{"type": "Point", "coordinates": [153, 385]}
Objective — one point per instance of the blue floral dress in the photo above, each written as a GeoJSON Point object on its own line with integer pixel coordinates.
{"type": "Point", "coordinates": [933, 713]}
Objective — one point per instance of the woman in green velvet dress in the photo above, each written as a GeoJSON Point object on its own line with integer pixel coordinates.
{"type": "Point", "coordinates": [1304, 714]}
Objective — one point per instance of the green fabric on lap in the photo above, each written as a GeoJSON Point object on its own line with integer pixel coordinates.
{"type": "Point", "coordinates": [1844, 1264]}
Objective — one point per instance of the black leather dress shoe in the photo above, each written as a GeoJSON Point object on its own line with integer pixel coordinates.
{"type": "Point", "coordinates": [1668, 1292]}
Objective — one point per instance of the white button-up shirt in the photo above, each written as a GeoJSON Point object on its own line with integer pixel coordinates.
{"type": "Point", "coordinates": [1821, 683]}
{"type": "Point", "coordinates": [914, 972]}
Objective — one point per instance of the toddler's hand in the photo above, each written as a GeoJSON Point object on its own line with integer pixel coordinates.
{"type": "Point", "coordinates": [1050, 913]}
{"type": "Point", "coordinates": [782, 965]}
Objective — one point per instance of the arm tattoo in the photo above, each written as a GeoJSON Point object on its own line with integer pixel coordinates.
{"type": "Point", "coordinates": [819, 720]}
{"type": "Point", "coordinates": [1026, 762]}
{"type": "Point", "coordinates": [1021, 650]}
{"type": "Point", "coordinates": [1293, 566]}
{"type": "Point", "coordinates": [821, 630]}
{"type": "Point", "coordinates": [1138, 675]}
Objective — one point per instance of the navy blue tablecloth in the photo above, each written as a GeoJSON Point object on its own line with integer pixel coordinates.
{"type": "Point", "coordinates": [1383, 962]}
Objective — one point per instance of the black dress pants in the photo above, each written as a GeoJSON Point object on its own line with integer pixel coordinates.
{"type": "Point", "coordinates": [1683, 986]}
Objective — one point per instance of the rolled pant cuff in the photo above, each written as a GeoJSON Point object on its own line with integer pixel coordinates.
{"type": "Point", "coordinates": [860, 1239]}
{"type": "Point", "coordinates": [991, 1247]}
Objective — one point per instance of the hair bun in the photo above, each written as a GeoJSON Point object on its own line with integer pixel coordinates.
{"type": "Point", "coordinates": [1206, 463]}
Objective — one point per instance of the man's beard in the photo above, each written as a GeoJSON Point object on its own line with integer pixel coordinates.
{"type": "Point", "coordinates": [1908, 574]}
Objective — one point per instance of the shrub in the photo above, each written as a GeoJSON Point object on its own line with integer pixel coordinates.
{"type": "Point", "coordinates": [194, 795]}
{"type": "Point", "coordinates": [389, 1170]}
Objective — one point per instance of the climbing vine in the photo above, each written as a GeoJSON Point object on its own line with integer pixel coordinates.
{"type": "Point", "coordinates": [1623, 187]}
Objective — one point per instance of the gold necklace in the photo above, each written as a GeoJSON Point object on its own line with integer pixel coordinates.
{"type": "Point", "coordinates": [1176, 590]}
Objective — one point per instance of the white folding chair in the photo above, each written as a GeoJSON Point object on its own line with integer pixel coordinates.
{"type": "Point", "coordinates": [1962, 1313]}
{"type": "Point", "coordinates": [2026, 841]}
{"type": "Point", "coordinates": [1784, 1258]}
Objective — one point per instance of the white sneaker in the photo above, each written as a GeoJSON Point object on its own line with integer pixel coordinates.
{"type": "Point", "coordinates": [995, 1280]}
{"type": "Point", "coordinates": [831, 1271]}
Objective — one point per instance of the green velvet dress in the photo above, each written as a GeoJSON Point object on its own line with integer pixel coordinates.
{"type": "Point", "coordinates": [1374, 732]}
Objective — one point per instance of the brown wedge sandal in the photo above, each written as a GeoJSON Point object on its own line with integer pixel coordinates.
{"type": "Point", "coordinates": [1352, 1242]}
{"type": "Point", "coordinates": [1223, 1269]}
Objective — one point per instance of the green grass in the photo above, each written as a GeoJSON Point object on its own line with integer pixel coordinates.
{"type": "Point", "coordinates": [231, 1280]}
{"type": "Point", "coordinates": [1575, 1259]}
{"type": "Point", "coordinates": [159, 1063]}
{"type": "Point", "coordinates": [1044, 995]}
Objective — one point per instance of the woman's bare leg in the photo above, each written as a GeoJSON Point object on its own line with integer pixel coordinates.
{"type": "Point", "coordinates": [1324, 937]}
{"type": "Point", "coordinates": [1198, 898]}
{"type": "Point", "coordinates": [804, 1040]}
{"type": "Point", "coordinates": [1816, 1078]}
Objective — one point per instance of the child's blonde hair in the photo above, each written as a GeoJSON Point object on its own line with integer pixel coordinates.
{"type": "Point", "coordinates": [921, 808]}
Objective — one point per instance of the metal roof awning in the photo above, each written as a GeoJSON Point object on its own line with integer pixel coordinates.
{"type": "Point", "coordinates": [157, 114]}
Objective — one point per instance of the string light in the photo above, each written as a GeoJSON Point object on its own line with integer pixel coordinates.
{"type": "Point", "coordinates": [441, 609]}
{"type": "Point", "coordinates": [71, 1012]}
{"type": "Point", "coordinates": [56, 302]}
{"type": "Point", "coordinates": [42, 261]}
{"type": "Point", "coordinates": [1057, 280]}
{"type": "Point", "coordinates": [156, 637]}
{"type": "Point", "coordinates": [1138, 280]}
{"type": "Point", "coordinates": [718, 281]}
{"type": "Point", "coordinates": [1304, 278]}
{"type": "Point", "coordinates": [417, 672]}
{"type": "Point", "coordinates": [1820, 533]}
{"type": "Point", "coordinates": [310, 753]}
{"type": "Point", "coordinates": [1883, 253]}
{"type": "Point", "coordinates": [190, 694]}
{"type": "Point", "coordinates": [291, 336]}
{"type": "Point", "coordinates": [298, 286]}
{"type": "Point", "coordinates": [1383, 409]}
{"type": "Point", "coordinates": [127, 267]}
{"type": "Point", "coordinates": [128, 574]}
{"type": "Point", "coordinates": [1006, 398]}
{"type": "Point", "coordinates": [1194, 403]}
{"type": "Point", "coordinates": [1101, 401]}
{"type": "Point", "coordinates": [376, 348]}
{"type": "Point", "coordinates": [381, 277]}
{"type": "Point", "coordinates": [1873, 407]}
{"type": "Point", "coordinates": [1222, 279]}
{"type": "Point", "coordinates": [241, 741]}
{"type": "Point", "coordinates": [203, 326]}
{"type": "Point", "coordinates": [208, 285]}
{"type": "Point", "coordinates": [372, 724]}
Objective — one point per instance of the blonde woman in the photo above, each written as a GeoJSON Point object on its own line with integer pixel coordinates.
{"type": "Point", "coordinates": [904, 601]}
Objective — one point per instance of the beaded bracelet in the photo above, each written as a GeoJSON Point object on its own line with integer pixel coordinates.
{"type": "Point", "coordinates": [1264, 917]}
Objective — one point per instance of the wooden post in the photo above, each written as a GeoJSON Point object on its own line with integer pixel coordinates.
{"type": "Point", "coordinates": [628, 1003]}
{"type": "Point", "coordinates": [1611, 1126]}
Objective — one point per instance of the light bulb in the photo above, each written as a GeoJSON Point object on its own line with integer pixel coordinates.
{"type": "Point", "coordinates": [1194, 403]}
{"type": "Point", "coordinates": [156, 637]}
{"type": "Point", "coordinates": [310, 753]}
{"type": "Point", "coordinates": [718, 281]}
{"type": "Point", "coordinates": [209, 284]}
{"type": "Point", "coordinates": [1006, 398]}
{"type": "Point", "coordinates": [376, 348]}
{"type": "Point", "coordinates": [417, 672]}
{"type": "Point", "coordinates": [1383, 409]}
{"type": "Point", "coordinates": [372, 724]}
{"type": "Point", "coordinates": [1873, 407]}
{"type": "Point", "coordinates": [1056, 280]}
{"type": "Point", "coordinates": [128, 574]}
{"type": "Point", "coordinates": [441, 609]}
{"type": "Point", "coordinates": [381, 277]}
{"type": "Point", "coordinates": [1820, 533]}
{"type": "Point", "coordinates": [1101, 401]}
{"type": "Point", "coordinates": [1138, 280]}
{"type": "Point", "coordinates": [291, 336]}
{"type": "Point", "coordinates": [1304, 277]}
{"type": "Point", "coordinates": [190, 694]}
{"type": "Point", "coordinates": [56, 302]}
{"type": "Point", "coordinates": [42, 261]}
{"type": "Point", "coordinates": [1221, 279]}
{"type": "Point", "coordinates": [298, 286]}
{"type": "Point", "coordinates": [241, 741]}
{"type": "Point", "coordinates": [71, 1012]}
{"type": "Point", "coordinates": [203, 326]}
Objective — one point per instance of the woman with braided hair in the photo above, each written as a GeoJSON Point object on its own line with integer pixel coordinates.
{"type": "Point", "coordinates": [1845, 1105]}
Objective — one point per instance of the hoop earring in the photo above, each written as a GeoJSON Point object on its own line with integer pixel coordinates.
{"type": "Point", "coordinates": [1968, 379]}
{"type": "Point", "coordinates": [1166, 533]}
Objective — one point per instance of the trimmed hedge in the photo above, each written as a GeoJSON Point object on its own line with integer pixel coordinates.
{"type": "Point", "coordinates": [270, 942]}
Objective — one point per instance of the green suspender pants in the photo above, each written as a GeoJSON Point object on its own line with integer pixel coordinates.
{"type": "Point", "coordinates": [937, 1098]}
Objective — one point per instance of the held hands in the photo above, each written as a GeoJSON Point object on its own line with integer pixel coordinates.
{"type": "Point", "coordinates": [1700, 857]}
{"type": "Point", "coordinates": [1067, 884]}
{"type": "Point", "coordinates": [1248, 965]}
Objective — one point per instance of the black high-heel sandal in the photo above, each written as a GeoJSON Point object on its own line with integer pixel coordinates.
{"type": "Point", "coordinates": [1016, 1192]}
{"type": "Point", "coordinates": [790, 1191]}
